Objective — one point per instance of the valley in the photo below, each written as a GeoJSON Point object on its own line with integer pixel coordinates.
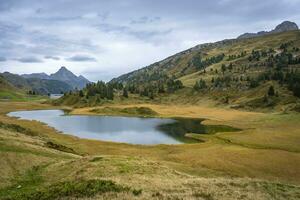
{"type": "Point", "coordinates": [264, 152]}
{"type": "Point", "coordinates": [237, 100]}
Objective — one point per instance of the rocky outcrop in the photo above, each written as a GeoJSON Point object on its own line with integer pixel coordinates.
{"type": "Point", "coordinates": [283, 27]}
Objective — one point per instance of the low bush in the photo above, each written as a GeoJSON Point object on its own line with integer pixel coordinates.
{"type": "Point", "coordinates": [17, 128]}
{"type": "Point", "coordinates": [75, 189]}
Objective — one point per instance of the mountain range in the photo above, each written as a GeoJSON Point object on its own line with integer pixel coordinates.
{"type": "Point", "coordinates": [61, 81]}
{"type": "Point", "coordinates": [64, 75]}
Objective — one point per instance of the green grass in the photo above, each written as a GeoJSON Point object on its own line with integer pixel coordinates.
{"type": "Point", "coordinates": [23, 185]}
{"type": "Point", "coordinates": [59, 147]}
{"type": "Point", "coordinates": [24, 150]}
{"type": "Point", "coordinates": [130, 111]}
{"type": "Point", "coordinates": [75, 189]}
{"type": "Point", "coordinates": [18, 128]}
{"type": "Point", "coordinates": [260, 161]}
{"type": "Point", "coordinates": [11, 95]}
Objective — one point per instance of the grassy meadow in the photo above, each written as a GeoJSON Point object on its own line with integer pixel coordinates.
{"type": "Point", "coordinates": [260, 162]}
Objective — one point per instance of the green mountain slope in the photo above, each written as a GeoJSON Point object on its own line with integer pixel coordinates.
{"type": "Point", "coordinates": [259, 73]}
{"type": "Point", "coordinates": [8, 91]}
{"type": "Point", "coordinates": [185, 63]}
{"type": "Point", "coordinates": [238, 72]}
{"type": "Point", "coordinates": [39, 86]}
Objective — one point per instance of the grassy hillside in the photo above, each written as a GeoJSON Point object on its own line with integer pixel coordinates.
{"type": "Point", "coordinates": [7, 91]}
{"type": "Point", "coordinates": [36, 85]}
{"type": "Point", "coordinates": [237, 73]}
{"type": "Point", "coordinates": [262, 160]}
{"type": "Point", "coordinates": [184, 63]}
{"type": "Point", "coordinates": [261, 73]}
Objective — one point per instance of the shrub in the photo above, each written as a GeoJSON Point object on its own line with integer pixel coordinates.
{"type": "Point", "coordinates": [76, 189]}
{"type": "Point", "coordinates": [271, 91]}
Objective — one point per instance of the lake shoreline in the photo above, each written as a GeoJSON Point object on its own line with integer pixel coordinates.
{"type": "Point", "coordinates": [97, 127]}
{"type": "Point", "coordinates": [239, 145]}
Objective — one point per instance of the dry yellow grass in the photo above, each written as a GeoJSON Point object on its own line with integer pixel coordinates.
{"type": "Point", "coordinates": [267, 149]}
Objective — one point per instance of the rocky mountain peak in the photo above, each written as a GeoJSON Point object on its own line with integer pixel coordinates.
{"type": "Point", "coordinates": [286, 26]}
{"type": "Point", "coordinates": [283, 27]}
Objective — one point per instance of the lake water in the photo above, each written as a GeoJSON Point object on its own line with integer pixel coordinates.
{"type": "Point", "coordinates": [133, 130]}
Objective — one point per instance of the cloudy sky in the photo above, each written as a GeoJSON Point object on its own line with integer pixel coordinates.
{"type": "Point", "coordinates": [101, 39]}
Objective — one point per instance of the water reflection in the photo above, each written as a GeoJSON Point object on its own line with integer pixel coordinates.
{"type": "Point", "coordinates": [133, 130]}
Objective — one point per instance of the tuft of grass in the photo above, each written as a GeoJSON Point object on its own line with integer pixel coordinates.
{"type": "Point", "coordinates": [96, 159]}
{"type": "Point", "coordinates": [17, 128]}
{"type": "Point", "coordinates": [136, 192]}
{"type": "Point", "coordinates": [31, 179]}
{"type": "Point", "coordinates": [279, 191]}
{"type": "Point", "coordinates": [131, 111]}
{"type": "Point", "coordinates": [204, 196]}
{"type": "Point", "coordinates": [59, 147]}
{"type": "Point", "coordinates": [75, 189]}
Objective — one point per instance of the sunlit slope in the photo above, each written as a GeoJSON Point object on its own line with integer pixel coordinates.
{"type": "Point", "coordinates": [181, 64]}
{"type": "Point", "coordinates": [237, 72]}
{"type": "Point", "coordinates": [7, 91]}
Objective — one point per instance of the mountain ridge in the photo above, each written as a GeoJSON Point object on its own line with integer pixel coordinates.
{"type": "Point", "coordinates": [282, 27]}
{"type": "Point", "coordinates": [64, 75]}
{"type": "Point", "coordinates": [39, 86]}
{"type": "Point", "coordinates": [237, 72]}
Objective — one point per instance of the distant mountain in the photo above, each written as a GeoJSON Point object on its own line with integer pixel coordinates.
{"type": "Point", "coordinates": [16, 80]}
{"type": "Point", "coordinates": [46, 86]}
{"type": "Point", "coordinates": [8, 91]}
{"type": "Point", "coordinates": [5, 85]}
{"type": "Point", "coordinates": [283, 27]}
{"type": "Point", "coordinates": [40, 86]}
{"type": "Point", "coordinates": [64, 75]}
{"type": "Point", "coordinates": [36, 75]}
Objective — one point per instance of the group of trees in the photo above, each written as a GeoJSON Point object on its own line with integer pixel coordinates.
{"type": "Point", "coordinates": [99, 89]}
{"type": "Point", "coordinates": [199, 85]}
{"type": "Point", "coordinates": [32, 92]}
{"type": "Point", "coordinates": [291, 79]}
{"type": "Point", "coordinates": [225, 67]}
{"type": "Point", "coordinates": [282, 60]}
{"type": "Point", "coordinates": [103, 90]}
{"type": "Point", "coordinates": [173, 85]}
{"type": "Point", "coordinates": [256, 55]}
{"type": "Point", "coordinates": [233, 57]}
{"type": "Point", "coordinates": [202, 64]}
{"type": "Point", "coordinates": [216, 82]}
{"type": "Point", "coordinates": [151, 90]}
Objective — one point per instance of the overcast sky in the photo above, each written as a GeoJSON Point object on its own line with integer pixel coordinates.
{"type": "Point", "coordinates": [102, 39]}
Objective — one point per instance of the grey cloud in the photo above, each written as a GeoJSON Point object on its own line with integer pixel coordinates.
{"type": "Point", "coordinates": [144, 35]}
{"type": "Point", "coordinates": [2, 59]}
{"type": "Point", "coordinates": [112, 28]}
{"type": "Point", "coordinates": [81, 58]}
{"type": "Point", "coordinates": [29, 60]}
{"type": "Point", "coordinates": [140, 34]}
{"type": "Point", "coordinates": [52, 57]}
{"type": "Point", "coordinates": [145, 20]}
{"type": "Point", "coordinates": [5, 5]}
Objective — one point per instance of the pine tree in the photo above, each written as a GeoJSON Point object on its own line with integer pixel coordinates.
{"type": "Point", "coordinates": [125, 92]}
{"type": "Point", "coordinates": [81, 93]}
{"type": "Point", "coordinates": [223, 68]}
{"type": "Point", "coordinates": [271, 91]}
